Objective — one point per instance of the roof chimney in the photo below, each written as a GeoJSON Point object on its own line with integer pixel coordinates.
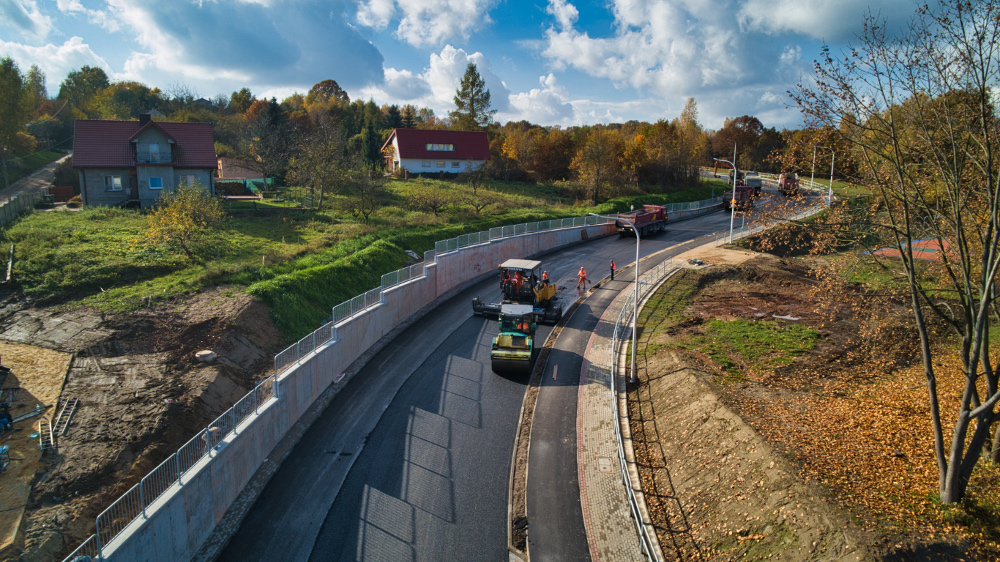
{"type": "Point", "coordinates": [144, 118]}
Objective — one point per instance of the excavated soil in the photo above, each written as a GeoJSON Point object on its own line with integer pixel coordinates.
{"type": "Point", "coordinates": [140, 394]}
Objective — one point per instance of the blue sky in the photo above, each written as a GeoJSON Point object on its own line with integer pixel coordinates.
{"type": "Point", "coordinates": [551, 62]}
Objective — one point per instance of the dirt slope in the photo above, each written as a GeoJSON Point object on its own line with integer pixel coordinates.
{"type": "Point", "coordinates": [142, 394]}
{"type": "Point", "coordinates": [753, 461]}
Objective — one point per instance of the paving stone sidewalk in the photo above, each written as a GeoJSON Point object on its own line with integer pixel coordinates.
{"type": "Point", "coordinates": [611, 531]}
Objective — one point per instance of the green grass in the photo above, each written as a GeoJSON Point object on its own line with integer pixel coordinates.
{"type": "Point", "coordinates": [23, 166]}
{"type": "Point", "coordinates": [730, 344]}
{"type": "Point", "coordinates": [298, 261]}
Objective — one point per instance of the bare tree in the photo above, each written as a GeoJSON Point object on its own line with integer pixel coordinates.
{"type": "Point", "coordinates": [918, 111]}
{"type": "Point", "coordinates": [321, 162]}
{"type": "Point", "coordinates": [366, 193]}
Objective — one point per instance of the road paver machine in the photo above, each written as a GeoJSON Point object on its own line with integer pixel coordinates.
{"type": "Point", "coordinates": [527, 301]}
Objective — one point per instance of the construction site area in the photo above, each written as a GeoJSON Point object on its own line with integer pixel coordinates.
{"type": "Point", "coordinates": [98, 399]}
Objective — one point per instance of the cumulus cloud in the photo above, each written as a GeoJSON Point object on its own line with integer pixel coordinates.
{"type": "Point", "coordinates": [425, 23]}
{"type": "Point", "coordinates": [24, 16]}
{"type": "Point", "coordinates": [54, 60]}
{"type": "Point", "coordinates": [103, 18]}
{"type": "Point", "coordinates": [270, 43]}
{"type": "Point", "coordinates": [565, 13]}
{"type": "Point", "coordinates": [548, 104]}
{"type": "Point", "coordinates": [670, 48]}
{"type": "Point", "coordinates": [435, 87]}
{"type": "Point", "coordinates": [820, 19]}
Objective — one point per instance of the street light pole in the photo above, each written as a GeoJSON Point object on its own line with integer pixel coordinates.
{"type": "Point", "coordinates": [635, 296]}
{"type": "Point", "coordinates": [732, 202]}
{"type": "Point", "coordinates": [833, 158]}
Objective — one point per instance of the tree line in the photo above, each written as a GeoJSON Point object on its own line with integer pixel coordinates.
{"type": "Point", "coordinates": [288, 140]}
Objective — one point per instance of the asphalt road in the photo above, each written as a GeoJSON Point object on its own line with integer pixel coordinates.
{"type": "Point", "coordinates": [411, 461]}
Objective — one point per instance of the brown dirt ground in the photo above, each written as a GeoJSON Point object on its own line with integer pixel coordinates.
{"type": "Point", "coordinates": [751, 468]}
{"type": "Point", "coordinates": [141, 395]}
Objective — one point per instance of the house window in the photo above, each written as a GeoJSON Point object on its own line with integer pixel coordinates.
{"type": "Point", "coordinates": [186, 180]}
{"type": "Point", "coordinates": [440, 164]}
{"type": "Point", "coordinates": [155, 183]}
{"type": "Point", "coordinates": [425, 164]}
{"type": "Point", "coordinates": [441, 147]}
{"type": "Point", "coordinates": [154, 153]}
{"type": "Point", "coordinates": [112, 183]}
{"type": "Point", "coordinates": [454, 164]}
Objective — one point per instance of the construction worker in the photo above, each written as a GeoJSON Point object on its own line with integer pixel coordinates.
{"type": "Point", "coordinates": [6, 420]}
{"type": "Point", "coordinates": [545, 278]}
{"type": "Point", "coordinates": [613, 267]}
{"type": "Point", "coordinates": [583, 279]}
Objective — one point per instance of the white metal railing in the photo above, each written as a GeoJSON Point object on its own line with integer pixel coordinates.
{"type": "Point", "coordinates": [134, 503]}
{"type": "Point", "coordinates": [620, 336]}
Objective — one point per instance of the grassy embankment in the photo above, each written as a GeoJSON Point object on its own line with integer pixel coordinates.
{"type": "Point", "coordinates": [18, 168]}
{"type": "Point", "coordinates": [299, 262]}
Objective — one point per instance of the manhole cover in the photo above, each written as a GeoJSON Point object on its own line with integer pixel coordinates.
{"type": "Point", "coordinates": [604, 464]}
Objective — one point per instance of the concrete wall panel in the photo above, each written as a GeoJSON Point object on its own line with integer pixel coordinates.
{"type": "Point", "coordinates": [179, 522]}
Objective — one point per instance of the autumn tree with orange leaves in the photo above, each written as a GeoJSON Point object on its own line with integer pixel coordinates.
{"type": "Point", "coordinates": [917, 110]}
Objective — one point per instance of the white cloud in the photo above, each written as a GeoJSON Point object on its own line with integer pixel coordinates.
{"type": "Point", "coordinates": [671, 48]}
{"type": "Point", "coordinates": [54, 60]}
{"type": "Point", "coordinates": [255, 43]}
{"type": "Point", "coordinates": [427, 22]}
{"type": "Point", "coordinates": [103, 18]}
{"type": "Point", "coordinates": [24, 16]}
{"type": "Point", "coordinates": [821, 19]}
{"type": "Point", "coordinates": [549, 105]}
{"type": "Point", "coordinates": [435, 87]}
{"type": "Point", "coordinates": [566, 14]}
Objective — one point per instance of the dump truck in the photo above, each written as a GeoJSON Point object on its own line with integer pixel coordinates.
{"type": "Point", "coordinates": [788, 184]}
{"type": "Point", "coordinates": [649, 219]}
{"type": "Point", "coordinates": [527, 301]}
{"type": "Point", "coordinates": [752, 179]}
{"type": "Point", "coordinates": [744, 198]}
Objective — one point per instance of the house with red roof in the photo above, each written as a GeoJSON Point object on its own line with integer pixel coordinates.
{"type": "Point", "coordinates": [431, 150]}
{"type": "Point", "coordinates": [131, 163]}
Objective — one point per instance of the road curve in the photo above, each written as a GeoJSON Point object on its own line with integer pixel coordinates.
{"type": "Point", "coordinates": [411, 460]}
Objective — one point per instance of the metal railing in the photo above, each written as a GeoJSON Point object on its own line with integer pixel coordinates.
{"type": "Point", "coordinates": [621, 336]}
{"type": "Point", "coordinates": [133, 505]}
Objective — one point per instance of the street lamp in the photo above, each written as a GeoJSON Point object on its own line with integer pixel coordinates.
{"type": "Point", "coordinates": [732, 202]}
{"type": "Point", "coordinates": [635, 297]}
{"type": "Point", "coordinates": [833, 158]}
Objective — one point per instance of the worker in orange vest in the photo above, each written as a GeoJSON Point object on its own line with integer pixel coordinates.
{"type": "Point", "coordinates": [613, 267]}
{"type": "Point", "coordinates": [583, 279]}
{"type": "Point", "coordinates": [545, 278]}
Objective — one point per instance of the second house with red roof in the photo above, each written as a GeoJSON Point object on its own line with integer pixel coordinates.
{"type": "Point", "coordinates": [422, 151]}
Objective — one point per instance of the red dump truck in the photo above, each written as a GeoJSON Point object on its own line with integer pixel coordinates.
{"type": "Point", "coordinates": [648, 219]}
{"type": "Point", "coordinates": [744, 198]}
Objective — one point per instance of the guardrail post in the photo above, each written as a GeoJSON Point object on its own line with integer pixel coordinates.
{"type": "Point", "coordinates": [142, 500]}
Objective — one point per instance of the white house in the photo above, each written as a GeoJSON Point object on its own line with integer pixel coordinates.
{"type": "Point", "coordinates": [432, 151]}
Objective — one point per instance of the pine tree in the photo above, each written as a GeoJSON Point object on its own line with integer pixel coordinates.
{"type": "Point", "coordinates": [472, 103]}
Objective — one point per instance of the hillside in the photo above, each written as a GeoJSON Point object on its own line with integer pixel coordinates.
{"type": "Point", "coordinates": [768, 427]}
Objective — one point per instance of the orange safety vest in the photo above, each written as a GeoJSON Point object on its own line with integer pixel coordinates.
{"type": "Point", "coordinates": [583, 273]}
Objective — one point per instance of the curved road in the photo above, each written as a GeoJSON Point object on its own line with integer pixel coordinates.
{"type": "Point", "coordinates": [411, 461]}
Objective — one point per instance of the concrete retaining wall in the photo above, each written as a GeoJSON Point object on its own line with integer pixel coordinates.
{"type": "Point", "coordinates": [175, 526]}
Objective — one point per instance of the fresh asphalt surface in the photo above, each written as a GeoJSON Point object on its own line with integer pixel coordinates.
{"type": "Point", "coordinates": [411, 461]}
